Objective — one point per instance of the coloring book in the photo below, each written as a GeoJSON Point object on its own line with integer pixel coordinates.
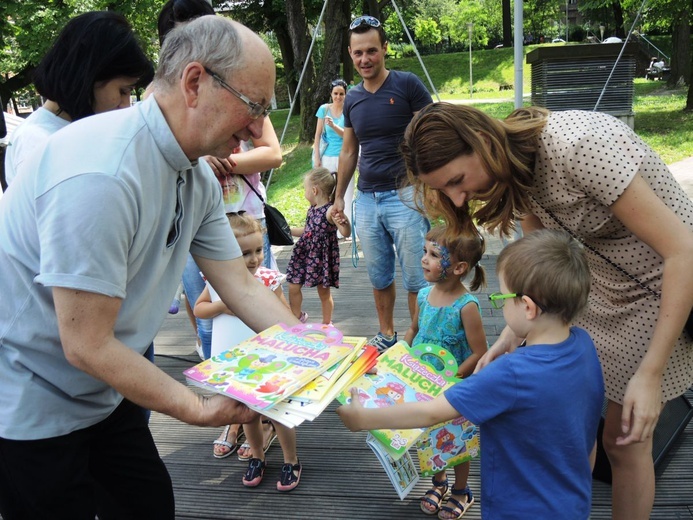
{"type": "Point", "coordinates": [446, 445]}
{"type": "Point", "coordinates": [404, 375]}
{"type": "Point", "coordinates": [364, 361]}
{"type": "Point", "coordinates": [318, 387]}
{"type": "Point", "coordinates": [268, 367]}
{"type": "Point", "coordinates": [401, 472]}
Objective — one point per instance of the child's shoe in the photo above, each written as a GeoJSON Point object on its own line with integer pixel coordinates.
{"type": "Point", "coordinates": [254, 473]}
{"type": "Point", "coordinates": [290, 477]}
{"type": "Point", "coordinates": [303, 317]}
{"type": "Point", "coordinates": [455, 509]}
{"type": "Point", "coordinates": [382, 342]}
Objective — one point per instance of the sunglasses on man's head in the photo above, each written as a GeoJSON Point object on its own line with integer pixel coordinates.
{"type": "Point", "coordinates": [364, 21]}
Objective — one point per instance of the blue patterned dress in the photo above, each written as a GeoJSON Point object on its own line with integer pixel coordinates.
{"type": "Point", "coordinates": [442, 326]}
{"type": "Point", "coordinates": [315, 257]}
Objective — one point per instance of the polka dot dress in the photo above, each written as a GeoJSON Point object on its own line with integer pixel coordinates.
{"type": "Point", "coordinates": [585, 161]}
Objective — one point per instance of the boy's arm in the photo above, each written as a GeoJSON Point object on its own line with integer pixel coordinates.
{"type": "Point", "coordinates": [476, 337]}
{"type": "Point", "coordinates": [398, 417]}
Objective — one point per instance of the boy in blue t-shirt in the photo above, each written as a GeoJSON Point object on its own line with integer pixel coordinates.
{"type": "Point", "coordinates": [538, 407]}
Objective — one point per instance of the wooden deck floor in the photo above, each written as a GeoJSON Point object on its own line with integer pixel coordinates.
{"type": "Point", "coordinates": [341, 477]}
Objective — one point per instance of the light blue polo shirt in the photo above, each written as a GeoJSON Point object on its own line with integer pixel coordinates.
{"type": "Point", "coordinates": [113, 207]}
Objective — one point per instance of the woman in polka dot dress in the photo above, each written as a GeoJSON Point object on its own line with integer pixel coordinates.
{"type": "Point", "coordinates": [588, 173]}
{"type": "Point", "coordinates": [315, 258]}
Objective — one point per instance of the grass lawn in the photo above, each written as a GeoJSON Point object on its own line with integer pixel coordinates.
{"type": "Point", "coordinates": [659, 116]}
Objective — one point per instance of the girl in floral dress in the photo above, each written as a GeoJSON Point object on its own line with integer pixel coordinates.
{"type": "Point", "coordinates": [315, 258]}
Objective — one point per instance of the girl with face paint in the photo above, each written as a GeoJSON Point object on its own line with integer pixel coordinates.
{"type": "Point", "coordinates": [447, 314]}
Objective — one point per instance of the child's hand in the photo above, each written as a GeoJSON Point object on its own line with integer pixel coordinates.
{"type": "Point", "coordinates": [221, 167]}
{"type": "Point", "coordinates": [350, 413]}
{"type": "Point", "coordinates": [338, 217]}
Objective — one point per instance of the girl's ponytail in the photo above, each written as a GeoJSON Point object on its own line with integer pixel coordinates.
{"type": "Point", "coordinates": [479, 279]}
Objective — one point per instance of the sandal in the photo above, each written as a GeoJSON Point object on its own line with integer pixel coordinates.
{"type": "Point", "coordinates": [290, 477]}
{"type": "Point", "coordinates": [439, 497]}
{"type": "Point", "coordinates": [459, 509]}
{"type": "Point", "coordinates": [254, 473]}
{"type": "Point", "coordinates": [244, 452]}
{"type": "Point", "coordinates": [226, 448]}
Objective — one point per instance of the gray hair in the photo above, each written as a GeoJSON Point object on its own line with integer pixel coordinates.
{"type": "Point", "coordinates": [213, 41]}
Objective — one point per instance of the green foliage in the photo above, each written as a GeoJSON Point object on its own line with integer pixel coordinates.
{"type": "Point", "coordinates": [427, 32]}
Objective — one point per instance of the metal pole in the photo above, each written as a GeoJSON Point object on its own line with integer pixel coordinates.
{"type": "Point", "coordinates": [411, 40]}
{"type": "Point", "coordinates": [470, 27]}
{"type": "Point", "coordinates": [618, 58]}
{"type": "Point", "coordinates": [519, 55]}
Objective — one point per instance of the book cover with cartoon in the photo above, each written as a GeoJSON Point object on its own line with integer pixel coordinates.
{"type": "Point", "coordinates": [404, 375]}
{"type": "Point", "coordinates": [446, 445]}
{"type": "Point", "coordinates": [273, 364]}
{"type": "Point", "coordinates": [318, 387]}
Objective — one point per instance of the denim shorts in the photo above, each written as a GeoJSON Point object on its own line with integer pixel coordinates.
{"type": "Point", "coordinates": [388, 223]}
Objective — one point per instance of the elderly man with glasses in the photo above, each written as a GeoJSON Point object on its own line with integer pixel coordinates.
{"type": "Point", "coordinates": [93, 242]}
{"type": "Point", "coordinates": [376, 114]}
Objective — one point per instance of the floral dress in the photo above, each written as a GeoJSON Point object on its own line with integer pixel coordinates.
{"type": "Point", "coordinates": [442, 326]}
{"type": "Point", "coordinates": [315, 257]}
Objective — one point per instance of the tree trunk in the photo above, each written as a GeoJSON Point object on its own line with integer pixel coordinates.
{"type": "Point", "coordinates": [689, 99]}
{"type": "Point", "coordinates": [507, 25]}
{"type": "Point", "coordinates": [336, 25]}
{"type": "Point", "coordinates": [287, 51]}
{"type": "Point", "coordinates": [681, 48]}
{"type": "Point", "coordinates": [618, 19]}
{"type": "Point", "coordinates": [300, 43]}
{"type": "Point", "coordinates": [17, 82]}
{"type": "Point", "coordinates": [347, 65]}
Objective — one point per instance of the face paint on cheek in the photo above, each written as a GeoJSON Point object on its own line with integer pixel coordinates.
{"type": "Point", "coordinates": [444, 260]}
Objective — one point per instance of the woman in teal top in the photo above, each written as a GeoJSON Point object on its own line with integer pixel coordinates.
{"type": "Point", "coordinates": [329, 136]}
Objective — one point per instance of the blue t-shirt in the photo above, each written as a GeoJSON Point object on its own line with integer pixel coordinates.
{"type": "Point", "coordinates": [538, 410]}
{"type": "Point", "coordinates": [334, 140]}
{"type": "Point", "coordinates": [379, 120]}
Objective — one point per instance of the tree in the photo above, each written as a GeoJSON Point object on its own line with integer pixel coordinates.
{"type": "Point", "coordinates": [316, 80]}
{"type": "Point", "coordinates": [28, 28]}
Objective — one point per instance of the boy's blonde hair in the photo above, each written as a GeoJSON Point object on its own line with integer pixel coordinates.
{"type": "Point", "coordinates": [550, 267]}
{"type": "Point", "coordinates": [243, 224]}
{"type": "Point", "coordinates": [467, 248]}
{"type": "Point", "coordinates": [324, 179]}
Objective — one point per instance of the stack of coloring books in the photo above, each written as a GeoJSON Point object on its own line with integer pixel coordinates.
{"type": "Point", "coordinates": [288, 373]}
{"type": "Point", "coordinates": [409, 374]}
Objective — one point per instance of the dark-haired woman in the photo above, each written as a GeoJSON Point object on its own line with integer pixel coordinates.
{"type": "Point", "coordinates": [92, 67]}
{"type": "Point", "coordinates": [330, 133]}
{"type": "Point", "coordinates": [591, 175]}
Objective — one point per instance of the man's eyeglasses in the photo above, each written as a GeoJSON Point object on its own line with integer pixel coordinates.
{"type": "Point", "coordinates": [255, 109]}
{"type": "Point", "coordinates": [364, 21]}
{"type": "Point", "coordinates": [498, 299]}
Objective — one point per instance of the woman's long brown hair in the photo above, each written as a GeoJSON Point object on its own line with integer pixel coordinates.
{"type": "Point", "coordinates": [442, 132]}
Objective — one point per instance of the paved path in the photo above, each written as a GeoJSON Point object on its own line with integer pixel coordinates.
{"type": "Point", "coordinates": [683, 172]}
